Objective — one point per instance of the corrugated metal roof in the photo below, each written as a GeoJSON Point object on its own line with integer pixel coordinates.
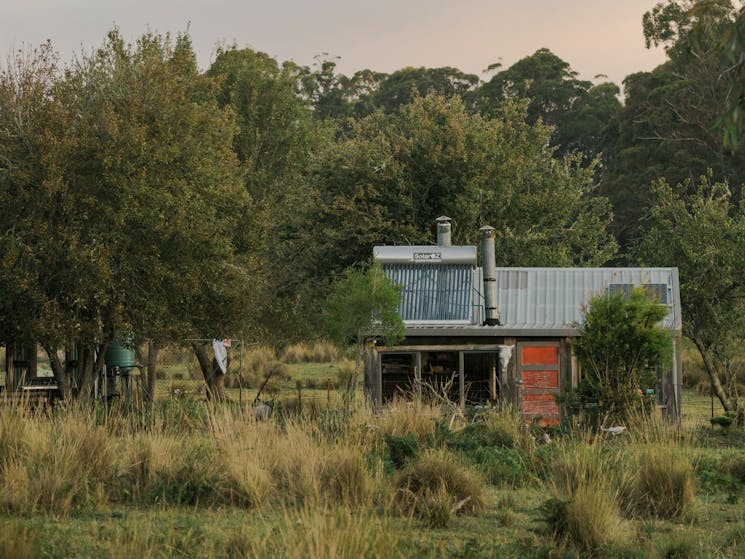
{"type": "Point", "coordinates": [531, 301]}
{"type": "Point", "coordinates": [553, 298]}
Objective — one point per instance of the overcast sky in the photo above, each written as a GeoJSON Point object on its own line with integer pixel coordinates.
{"type": "Point", "coordinates": [594, 36]}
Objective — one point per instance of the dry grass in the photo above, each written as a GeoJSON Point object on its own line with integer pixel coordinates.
{"type": "Point", "coordinates": [664, 485]}
{"type": "Point", "coordinates": [584, 509]}
{"type": "Point", "coordinates": [296, 465]}
{"type": "Point", "coordinates": [257, 358]}
{"type": "Point", "coordinates": [17, 542]}
{"type": "Point", "coordinates": [652, 428]}
{"type": "Point", "coordinates": [334, 533]}
{"type": "Point", "coordinates": [437, 483]}
{"type": "Point", "coordinates": [322, 475]}
{"type": "Point", "coordinates": [508, 426]}
{"type": "Point", "coordinates": [63, 464]}
{"type": "Point", "coordinates": [318, 352]}
{"type": "Point", "coordinates": [402, 417]}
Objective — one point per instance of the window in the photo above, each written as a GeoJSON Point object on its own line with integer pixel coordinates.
{"type": "Point", "coordinates": [657, 291]}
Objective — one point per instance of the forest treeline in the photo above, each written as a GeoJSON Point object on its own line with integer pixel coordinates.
{"type": "Point", "coordinates": [142, 195]}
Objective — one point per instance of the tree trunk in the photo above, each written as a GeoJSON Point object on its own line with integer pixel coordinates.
{"type": "Point", "coordinates": [152, 365]}
{"type": "Point", "coordinates": [90, 365]}
{"type": "Point", "coordinates": [712, 370]}
{"type": "Point", "coordinates": [213, 378]}
{"type": "Point", "coordinates": [59, 372]}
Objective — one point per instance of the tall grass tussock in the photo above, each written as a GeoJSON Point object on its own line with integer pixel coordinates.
{"type": "Point", "coordinates": [318, 352]}
{"type": "Point", "coordinates": [436, 486]}
{"type": "Point", "coordinates": [584, 508]}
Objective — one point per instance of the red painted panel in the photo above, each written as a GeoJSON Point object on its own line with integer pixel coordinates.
{"type": "Point", "coordinates": [540, 379]}
{"type": "Point", "coordinates": [539, 355]}
{"type": "Point", "coordinates": [541, 407]}
{"type": "Point", "coordinates": [540, 404]}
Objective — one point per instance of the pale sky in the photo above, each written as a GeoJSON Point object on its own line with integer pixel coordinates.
{"type": "Point", "coordinates": [594, 36]}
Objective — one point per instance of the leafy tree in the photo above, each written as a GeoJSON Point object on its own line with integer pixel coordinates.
{"type": "Point", "coordinates": [699, 229]}
{"type": "Point", "coordinates": [666, 128]}
{"type": "Point", "coordinates": [401, 87]}
{"type": "Point", "coordinates": [620, 349]}
{"type": "Point", "coordinates": [275, 144]}
{"type": "Point", "coordinates": [275, 132]}
{"type": "Point", "coordinates": [39, 233]}
{"type": "Point", "coordinates": [584, 128]}
{"type": "Point", "coordinates": [578, 111]}
{"type": "Point", "coordinates": [733, 64]}
{"type": "Point", "coordinates": [336, 96]}
{"type": "Point", "coordinates": [388, 179]}
{"type": "Point", "coordinates": [363, 304]}
{"type": "Point", "coordinates": [136, 183]}
{"type": "Point", "coordinates": [545, 79]}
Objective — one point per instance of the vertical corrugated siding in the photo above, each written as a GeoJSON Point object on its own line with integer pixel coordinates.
{"type": "Point", "coordinates": [433, 291]}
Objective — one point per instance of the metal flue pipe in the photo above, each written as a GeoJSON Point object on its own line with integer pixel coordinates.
{"type": "Point", "coordinates": [444, 230]}
{"type": "Point", "coordinates": [489, 266]}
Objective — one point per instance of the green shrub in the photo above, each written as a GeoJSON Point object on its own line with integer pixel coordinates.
{"type": "Point", "coordinates": [500, 466]}
{"type": "Point", "coordinates": [403, 448]}
{"type": "Point", "coordinates": [477, 435]}
{"type": "Point", "coordinates": [619, 349]}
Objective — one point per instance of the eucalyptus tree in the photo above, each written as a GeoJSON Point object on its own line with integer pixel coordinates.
{"type": "Point", "coordinates": [276, 140]}
{"type": "Point", "coordinates": [667, 125]}
{"type": "Point", "coordinates": [578, 111]}
{"type": "Point", "coordinates": [402, 86]}
{"type": "Point", "coordinates": [698, 228]}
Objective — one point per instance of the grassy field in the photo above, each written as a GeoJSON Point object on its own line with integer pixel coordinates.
{"type": "Point", "coordinates": [188, 479]}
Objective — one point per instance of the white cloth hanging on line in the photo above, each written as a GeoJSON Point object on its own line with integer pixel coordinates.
{"type": "Point", "coordinates": [221, 355]}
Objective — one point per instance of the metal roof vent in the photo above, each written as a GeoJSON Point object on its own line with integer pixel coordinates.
{"type": "Point", "coordinates": [444, 228]}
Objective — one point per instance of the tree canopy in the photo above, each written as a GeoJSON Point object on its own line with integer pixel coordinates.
{"type": "Point", "coordinates": [126, 222]}
{"type": "Point", "coordinates": [667, 127]}
{"type": "Point", "coordinates": [698, 228]}
{"type": "Point", "coordinates": [388, 176]}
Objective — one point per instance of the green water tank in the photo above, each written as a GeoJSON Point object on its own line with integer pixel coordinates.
{"type": "Point", "coordinates": [120, 354]}
{"type": "Point", "coordinates": [119, 359]}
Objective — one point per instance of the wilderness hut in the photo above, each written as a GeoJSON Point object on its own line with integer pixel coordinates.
{"type": "Point", "coordinates": [483, 335]}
